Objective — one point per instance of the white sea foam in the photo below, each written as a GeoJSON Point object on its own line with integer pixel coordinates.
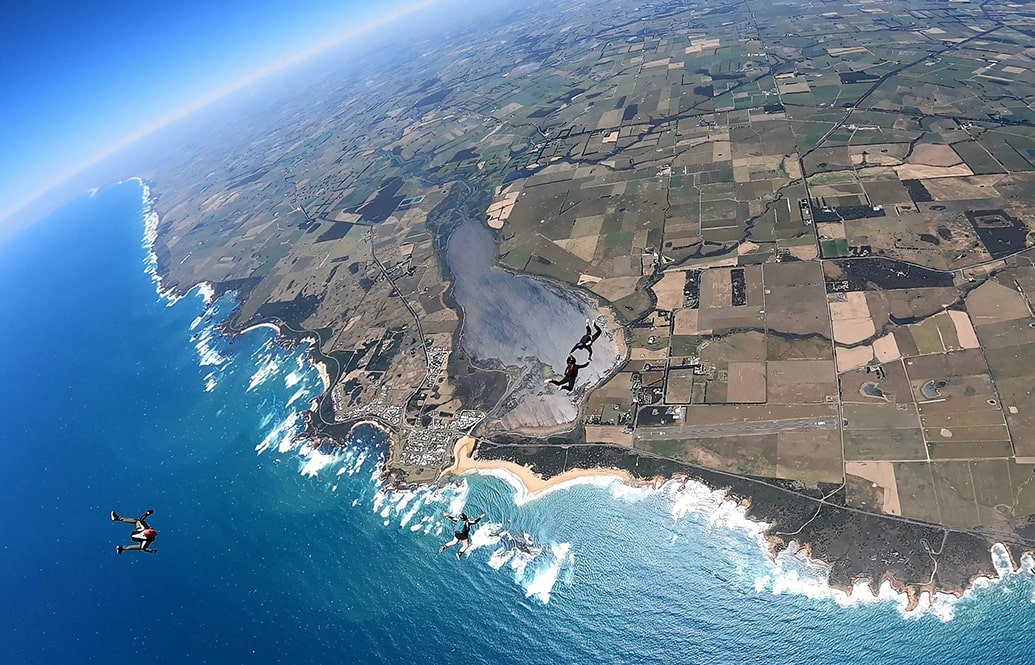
{"type": "Point", "coordinates": [205, 342]}
{"type": "Point", "coordinates": [486, 535]}
{"type": "Point", "coordinates": [268, 369]}
{"type": "Point", "coordinates": [291, 379]}
{"type": "Point", "coordinates": [351, 461]}
{"type": "Point", "coordinates": [595, 481]}
{"type": "Point", "coordinates": [282, 437]}
{"type": "Point", "coordinates": [694, 498]}
{"type": "Point", "coordinates": [1028, 563]}
{"type": "Point", "coordinates": [544, 578]}
{"type": "Point", "coordinates": [207, 292]}
{"type": "Point", "coordinates": [315, 460]}
{"type": "Point", "coordinates": [535, 568]}
{"type": "Point", "coordinates": [631, 494]}
{"type": "Point", "coordinates": [289, 441]}
{"type": "Point", "coordinates": [790, 572]}
{"type": "Point", "coordinates": [148, 243]}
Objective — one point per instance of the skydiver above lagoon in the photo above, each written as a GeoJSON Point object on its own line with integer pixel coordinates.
{"type": "Point", "coordinates": [572, 366]}
{"type": "Point", "coordinates": [571, 373]}
{"type": "Point", "coordinates": [587, 340]}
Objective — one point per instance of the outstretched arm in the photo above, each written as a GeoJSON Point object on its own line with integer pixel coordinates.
{"type": "Point", "coordinates": [478, 519]}
{"type": "Point", "coordinates": [450, 518]}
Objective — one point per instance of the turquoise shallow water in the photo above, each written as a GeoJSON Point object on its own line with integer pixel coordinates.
{"type": "Point", "coordinates": [272, 552]}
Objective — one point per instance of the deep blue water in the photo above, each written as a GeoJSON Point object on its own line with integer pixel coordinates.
{"type": "Point", "coordinates": [116, 399]}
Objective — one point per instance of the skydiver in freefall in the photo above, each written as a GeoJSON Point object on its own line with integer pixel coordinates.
{"type": "Point", "coordinates": [143, 534]}
{"type": "Point", "coordinates": [587, 340]}
{"type": "Point", "coordinates": [461, 532]}
{"type": "Point", "coordinates": [571, 372]}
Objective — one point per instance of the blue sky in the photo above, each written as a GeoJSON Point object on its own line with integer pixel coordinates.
{"type": "Point", "coordinates": [77, 78]}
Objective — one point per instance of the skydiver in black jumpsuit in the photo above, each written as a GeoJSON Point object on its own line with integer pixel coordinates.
{"type": "Point", "coordinates": [587, 340]}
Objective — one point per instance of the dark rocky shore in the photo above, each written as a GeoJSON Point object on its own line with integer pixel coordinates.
{"type": "Point", "coordinates": [913, 556]}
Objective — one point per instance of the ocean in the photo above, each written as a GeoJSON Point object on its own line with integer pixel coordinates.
{"type": "Point", "coordinates": [119, 398]}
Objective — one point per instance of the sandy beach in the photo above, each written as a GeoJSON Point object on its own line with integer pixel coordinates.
{"type": "Point", "coordinates": [532, 483]}
{"type": "Point", "coordinates": [274, 327]}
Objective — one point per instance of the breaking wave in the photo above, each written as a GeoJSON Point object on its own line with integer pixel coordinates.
{"type": "Point", "coordinates": [355, 473]}
{"type": "Point", "coordinates": [148, 243]}
{"type": "Point", "coordinates": [535, 568]}
{"type": "Point", "coordinates": [791, 572]}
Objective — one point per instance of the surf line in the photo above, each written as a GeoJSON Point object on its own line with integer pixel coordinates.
{"type": "Point", "coordinates": [527, 484]}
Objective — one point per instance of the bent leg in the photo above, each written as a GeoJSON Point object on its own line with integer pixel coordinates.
{"type": "Point", "coordinates": [448, 545]}
{"type": "Point", "coordinates": [595, 334]}
{"type": "Point", "coordinates": [124, 519]}
{"type": "Point", "coordinates": [134, 546]}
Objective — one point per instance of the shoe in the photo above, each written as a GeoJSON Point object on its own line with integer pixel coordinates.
{"type": "Point", "coordinates": [587, 323]}
{"type": "Point", "coordinates": [118, 549]}
{"type": "Point", "coordinates": [459, 555]}
{"type": "Point", "coordinates": [149, 513]}
{"type": "Point", "coordinates": [442, 549]}
{"type": "Point", "coordinates": [114, 516]}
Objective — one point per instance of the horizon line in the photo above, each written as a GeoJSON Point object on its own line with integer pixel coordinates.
{"type": "Point", "coordinates": [216, 95]}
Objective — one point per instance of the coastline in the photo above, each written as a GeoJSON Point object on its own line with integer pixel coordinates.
{"type": "Point", "coordinates": [857, 549]}
{"type": "Point", "coordinates": [528, 484]}
{"type": "Point", "coordinates": [321, 366]}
